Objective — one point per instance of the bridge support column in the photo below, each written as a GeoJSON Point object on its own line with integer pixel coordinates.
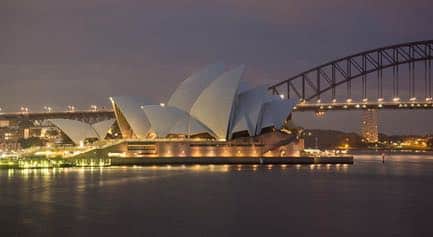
{"type": "Point", "coordinates": [369, 126]}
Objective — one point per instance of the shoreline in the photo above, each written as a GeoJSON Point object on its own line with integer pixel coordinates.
{"type": "Point", "coordinates": [107, 162]}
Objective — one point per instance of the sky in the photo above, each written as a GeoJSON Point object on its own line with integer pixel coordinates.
{"type": "Point", "coordinates": [59, 52]}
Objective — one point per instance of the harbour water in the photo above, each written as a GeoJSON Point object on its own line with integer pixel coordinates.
{"type": "Point", "coordinates": [365, 199]}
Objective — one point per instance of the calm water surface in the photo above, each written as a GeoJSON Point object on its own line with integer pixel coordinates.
{"type": "Point", "coordinates": [366, 199]}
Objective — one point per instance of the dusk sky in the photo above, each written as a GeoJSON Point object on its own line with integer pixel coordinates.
{"type": "Point", "coordinates": [58, 52]}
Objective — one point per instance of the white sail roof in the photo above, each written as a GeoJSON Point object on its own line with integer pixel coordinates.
{"type": "Point", "coordinates": [274, 113]}
{"type": "Point", "coordinates": [77, 131]}
{"type": "Point", "coordinates": [161, 118]}
{"type": "Point", "coordinates": [166, 120]}
{"type": "Point", "coordinates": [214, 105]}
{"type": "Point", "coordinates": [191, 88]}
{"type": "Point", "coordinates": [102, 128]}
{"type": "Point", "coordinates": [240, 124]}
{"type": "Point", "coordinates": [130, 107]}
{"type": "Point", "coordinates": [189, 126]}
{"type": "Point", "coordinates": [247, 111]}
{"type": "Point", "coordinates": [209, 101]}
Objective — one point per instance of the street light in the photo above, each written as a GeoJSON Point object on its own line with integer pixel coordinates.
{"type": "Point", "coordinates": [71, 108]}
{"type": "Point", "coordinates": [48, 109]}
{"type": "Point", "coordinates": [93, 108]}
{"type": "Point", "coordinates": [24, 109]}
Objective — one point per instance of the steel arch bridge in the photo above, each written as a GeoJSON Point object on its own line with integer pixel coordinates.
{"type": "Point", "coordinates": [309, 86]}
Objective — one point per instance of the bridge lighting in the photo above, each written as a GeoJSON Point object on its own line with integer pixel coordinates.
{"type": "Point", "coordinates": [320, 114]}
{"type": "Point", "coordinates": [349, 100]}
{"type": "Point", "coordinates": [282, 96]}
{"type": "Point", "coordinates": [329, 107]}
{"type": "Point", "coordinates": [93, 108]}
{"type": "Point", "coordinates": [426, 99]}
{"type": "Point", "coordinates": [357, 106]}
{"type": "Point", "coordinates": [24, 109]}
{"type": "Point", "coordinates": [412, 99]}
{"type": "Point", "coordinates": [345, 106]}
{"type": "Point", "coordinates": [334, 100]}
{"type": "Point", "coordinates": [319, 101]}
{"type": "Point", "coordinates": [48, 109]}
{"type": "Point", "coordinates": [162, 104]}
{"type": "Point", "coordinates": [380, 105]}
{"type": "Point", "coordinates": [365, 100]}
{"type": "Point", "coordinates": [380, 99]}
{"type": "Point", "coordinates": [396, 99]}
{"type": "Point", "coordinates": [364, 106]}
{"type": "Point", "coordinates": [71, 108]}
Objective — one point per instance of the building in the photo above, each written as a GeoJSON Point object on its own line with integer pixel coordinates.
{"type": "Point", "coordinates": [369, 126]}
{"type": "Point", "coordinates": [213, 112]}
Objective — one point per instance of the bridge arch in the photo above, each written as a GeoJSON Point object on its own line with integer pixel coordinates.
{"type": "Point", "coordinates": [327, 77]}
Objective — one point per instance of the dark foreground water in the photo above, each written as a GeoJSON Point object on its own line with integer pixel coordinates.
{"type": "Point", "coordinates": [366, 199]}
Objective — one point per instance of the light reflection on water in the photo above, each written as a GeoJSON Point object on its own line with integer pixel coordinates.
{"type": "Point", "coordinates": [367, 198]}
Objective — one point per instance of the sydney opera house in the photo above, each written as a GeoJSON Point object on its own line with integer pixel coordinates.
{"type": "Point", "coordinates": [212, 113]}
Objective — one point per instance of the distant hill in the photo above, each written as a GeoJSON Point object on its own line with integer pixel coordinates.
{"type": "Point", "coordinates": [330, 139]}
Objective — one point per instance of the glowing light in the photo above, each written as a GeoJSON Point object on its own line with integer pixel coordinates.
{"type": "Point", "coordinates": [48, 109]}
{"type": "Point", "coordinates": [380, 99]}
{"type": "Point", "coordinates": [71, 108]}
{"type": "Point", "coordinates": [93, 108]}
{"type": "Point", "coordinates": [282, 96]}
{"type": "Point", "coordinates": [365, 100]}
{"type": "Point", "coordinates": [162, 104]}
{"type": "Point", "coordinates": [412, 99]}
{"type": "Point", "coordinates": [349, 100]}
{"type": "Point", "coordinates": [396, 99]}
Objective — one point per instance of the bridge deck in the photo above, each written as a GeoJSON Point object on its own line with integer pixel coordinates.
{"type": "Point", "coordinates": [363, 106]}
